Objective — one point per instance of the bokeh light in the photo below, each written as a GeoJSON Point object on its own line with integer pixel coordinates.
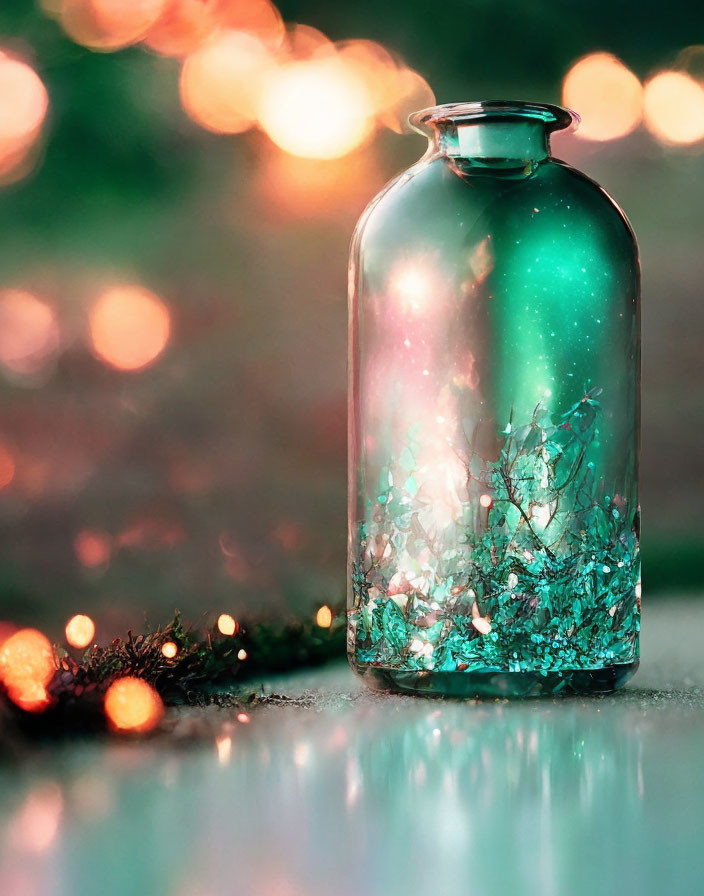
{"type": "Point", "coordinates": [317, 109]}
{"type": "Point", "coordinates": [92, 548]}
{"type": "Point", "coordinates": [109, 24]}
{"type": "Point", "coordinates": [23, 107]}
{"type": "Point", "coordinates": [29, 335]}
{"type": "Point", "coordinates": [410, 92]}
{"type": "Point", "coordinates": [221, 81]}
{"type": "Point", "coordinates": [303, 42]}
{"type": "Point", "coordinates": [7, 465]}
{"type": "Point", "coordinates": [183, 25]}
{"type": "Point", "coordinates": [258, 17]}
{"type": "Point", "coordinates": [323, 617]}
{"type": "Point", "coordinates": [129, 327]}
{"type": "Point", "coordinates": [292, 187]}
{"type": "Point", "coordinates": [227, 625]}
{"type": "Point", "coordinates": [674, 108]}
{"type": "Point", "coordinates": [607, 96]}
{"type": "Point", "coordinates": [242, 655]}
{"type": "Point", "coordinates": [80, 630]}
{"type": "Point", "coordinates": [169, 649]}
{"type": "Point", "coordinates": [132, 704]}
{"type": "Point", "coordinates": [27, 664]}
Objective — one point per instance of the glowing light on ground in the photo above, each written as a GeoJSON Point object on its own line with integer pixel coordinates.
{"type": "Point", "coordinates": [674, 108]}
{"type": "Point", "coordinates": [317, 109]}
{"type": "Point", "coordinates": [243, 717]}
{"type": "Point", "coordinates": [7, 466]}
{"type": "Point", "coordinates": [92, 548]}
{"type": "Point", "coordinates": [35, 823]}
{"type": "Point", "coordinates": [129, 327]}
{"type": "Point", "coordinates": [109, 24]}
{"type": "Point", "coordinates": [133, 705]}
{"type": "Point", "coordinates": [227, 625]}
{"type": "Point", "coordinates": [80, 631]}
{"type": "Point", "coordinates": [223, 747]}
{"type": "Point", "coordinates": [23, 107]}
{"type": "Point", "coordinates": [606, 94]}
{"type": "Point", "coordinates": [221, 82]}
{"type": "Point", "coordinates": [27, 664]}
{"type": "Point", "coordinates": [301, 755]}
{"type": "Point", "coordinates": [323, 617]}
{"type": "Point", "coordinates": [29, 334]}
{"type": "Point", "coordinates": [169, 649]}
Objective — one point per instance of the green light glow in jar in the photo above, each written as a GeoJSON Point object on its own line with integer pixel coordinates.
{"type": "Point", "coordinates": [494, 418]}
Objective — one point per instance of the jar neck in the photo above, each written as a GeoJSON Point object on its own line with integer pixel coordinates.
{"type": "Point", "coordinates": [487, 143]}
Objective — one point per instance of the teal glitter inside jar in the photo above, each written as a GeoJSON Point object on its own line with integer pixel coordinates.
{"type": "Point", "coordinates": [494, 418]}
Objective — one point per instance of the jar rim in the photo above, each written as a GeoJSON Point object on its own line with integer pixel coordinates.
{"type": "Point", "coordinates": [556, 118]}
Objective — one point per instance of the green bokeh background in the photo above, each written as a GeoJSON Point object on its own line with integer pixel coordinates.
{"type": "Point", "coordinates": [249, 398]}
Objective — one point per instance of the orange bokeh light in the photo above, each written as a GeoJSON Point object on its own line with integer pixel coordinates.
{"type": "Point", "coordinates": [318, 109]}
{"type": "Point", "coordinates": [607, 96]}
{"type": "Point", "coordinates": [227, 624]}
{"type": "Point", "coordinates": [27, 664]}
{"type": "Point", "coordinates": [109, 24]}
{"type": "Point", "coordinates": [304, 41]}
{"type": "Point", "coordinates": [80, 631]}
{"type": "Point", "coordinates": [7, 466]}
{"type": "Point", "coordinates": [29, 333]}
{"type": "Point", "coordinates": [183, 25]}
{"type": "Point", "coordinates": [92, 548]}
{"type": "Point", "coordinates": [258, 17]}
{"type": "Point", "coordinates": [23, 107]}
{"type": "Point", "coordinates": [409, 92]}
{"type": "Point", "coordinates": [220, 82]}
{"type": "Point", "coordinates": [674, 108]}
{"type": "Point", "coordinates": [169, 649]}
{"type": "Point", "coordinates": [323, 617]}
{"type": "Point", "coordinates": [132, 704]}
{"type": "Point", "coordinates": [294, 187]}
{"type": "Point", "coordinates": [129, 327]}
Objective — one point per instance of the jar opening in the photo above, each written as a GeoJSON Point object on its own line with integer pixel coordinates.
{"type": "Point", "coordinates": [554, 118]}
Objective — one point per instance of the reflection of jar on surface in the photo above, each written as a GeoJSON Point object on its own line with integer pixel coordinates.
{"type": "Point", "coordinates": [494, 414]}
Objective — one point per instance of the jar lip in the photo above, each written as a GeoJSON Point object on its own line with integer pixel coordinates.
{"type": "Point", "coordinates": [556, 118]}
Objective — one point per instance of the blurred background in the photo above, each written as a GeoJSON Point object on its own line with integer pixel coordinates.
{"type": "Point", "coordinates": [180, 181]}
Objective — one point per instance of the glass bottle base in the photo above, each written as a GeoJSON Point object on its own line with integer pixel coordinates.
{"type": "Point", "coordinates": [492, 683]}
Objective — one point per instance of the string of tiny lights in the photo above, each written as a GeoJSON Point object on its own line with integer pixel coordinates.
{"type": "Point", "coordinates": [124, 687]}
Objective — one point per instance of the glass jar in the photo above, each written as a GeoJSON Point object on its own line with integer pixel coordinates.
{"type": "Point", "coordinates": [494, 418]}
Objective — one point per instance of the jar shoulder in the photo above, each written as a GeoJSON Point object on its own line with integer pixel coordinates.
{"type": "Point", "coordinates": [435, 196]}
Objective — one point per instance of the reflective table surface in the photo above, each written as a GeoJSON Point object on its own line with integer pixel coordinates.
{"type": "Point", "coordinates": [342, 791]}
